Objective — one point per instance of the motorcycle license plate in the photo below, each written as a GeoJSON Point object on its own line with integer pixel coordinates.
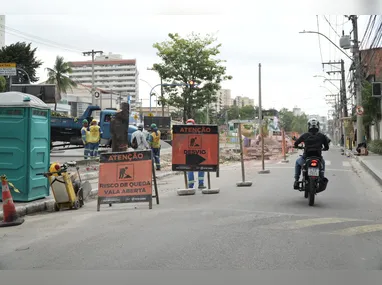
{"type": "Point", "coordinates": [313, 171]}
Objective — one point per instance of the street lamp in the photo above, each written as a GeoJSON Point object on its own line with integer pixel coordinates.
{"type": "Point", "coordinates": [318, 33]}
{"type": "Point", "coordinates": [191, 83]}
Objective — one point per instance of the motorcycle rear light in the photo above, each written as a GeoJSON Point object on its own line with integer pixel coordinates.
{"type": "Point", "coordinates": [313, 163]}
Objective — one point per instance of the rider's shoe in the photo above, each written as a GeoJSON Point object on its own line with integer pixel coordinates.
{"type": "Point", "coordinates": [296, 185]}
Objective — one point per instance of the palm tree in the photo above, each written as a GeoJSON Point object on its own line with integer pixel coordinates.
{"type": "Point", "coordinates": [59, 75]}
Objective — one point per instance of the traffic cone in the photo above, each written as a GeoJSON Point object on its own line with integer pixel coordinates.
{"type": "Point", "coordinates": [9, 209]}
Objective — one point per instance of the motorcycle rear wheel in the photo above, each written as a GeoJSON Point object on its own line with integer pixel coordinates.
{"type": "Point", "coordinates": [312, 192]}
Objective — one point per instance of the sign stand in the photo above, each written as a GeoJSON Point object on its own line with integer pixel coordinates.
{"type": "Point", "coordinates": [156, 196]}
{"type": "Point", "coordinates": [126, 177]}
{"type": "Point", "coordinates": [186, 191]}
{"type": "Point", "coordinates": [210, 190]}
{"type": "Point", "coordinates": [198, 151]}
{"type": "Point", "coordinates": [243, 183]}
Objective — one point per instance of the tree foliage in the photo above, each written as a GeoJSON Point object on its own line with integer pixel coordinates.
{"type": "Point", "coordinates": [24, 56]}
{"type": "Point", "coordinates": [291, 123]}
{"type": "Point", "coordinates": [59, 75]}
{"type": "Point", "coordinates": [190, 58]}
{"type": "Point", "coordinates": [371, 105]}
{"type": "Point", "coordinates": [3, 84]}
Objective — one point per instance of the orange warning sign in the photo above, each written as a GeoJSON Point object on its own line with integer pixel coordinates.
{"type": "Point", "coordinates": [195, 147]}
{"type": "Point", "coordinates": [125, 177]}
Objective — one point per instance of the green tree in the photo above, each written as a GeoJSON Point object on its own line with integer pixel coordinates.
{"type": "Point", "coordinates": [3, 84]}
{"type": "Point", "coordinates": [247, 113]}
{"type": "Point", "coordinates": [299, 124]}
{"type": "Point", "coordinates": [286, 118]}
{"type": "Point", "coordinates": [191, 59]}
{"type": "Point", "coordinates": [233, 113]}
{"type": "Point", "coordinates": [24, 56]}
{"type": "Point", "coordinates": [371, 106]}
{"type": "Point", "coordinates": [59, 75]}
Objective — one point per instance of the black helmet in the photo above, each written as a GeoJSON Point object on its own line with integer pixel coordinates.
{"type": "Point", "coordinates": [313, 124]}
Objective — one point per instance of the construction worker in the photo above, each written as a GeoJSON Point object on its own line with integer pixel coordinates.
{"type": "Point", "coordinates": [85, 138]}
{"type": "Point", "coordinates": [94, 138]}
{"type": "Point", "coordinates": [140, 142]}
{"type": "Point", "coordinates": [154, 141]}
{"type": "Point", "coordinates": [191, 177]}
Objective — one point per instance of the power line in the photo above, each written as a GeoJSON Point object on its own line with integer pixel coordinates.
{"type": "Point", "coordinates": [326, 19]}
{"type": "Point", "coordinates": [31, 39]}
{"type": "Point", "coordinates": [39, 38]}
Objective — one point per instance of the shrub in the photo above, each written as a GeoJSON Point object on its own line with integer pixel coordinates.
{"type": "Point", "coordinates": [375, 146]}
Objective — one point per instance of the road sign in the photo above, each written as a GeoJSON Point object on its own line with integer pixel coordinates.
{"type": "Point", "coordinates": [96, 95]}
{"type": "Point", "coordinates": [125, 177]}
{"type": "Point", "coordinates": [151, 114]}
{"type": "Point", "coordinates": [359, 110]}
{"type": "Point", "coordinates": [8, 69]}
{"type": "Point", "coordinates": [195, 147]}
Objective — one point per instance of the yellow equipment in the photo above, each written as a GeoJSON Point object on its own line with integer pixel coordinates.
{"type": "Point", "coordinates": [67, 191]}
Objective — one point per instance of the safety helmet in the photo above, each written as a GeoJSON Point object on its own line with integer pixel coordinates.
{"type": "Point", "coordinates": [153, 126]}
{"type": "Point", "coordinates": [140, 127]}
{"type": "Point", "coordinates": [85, 121]}
{"type": "Point", "coordinates": [190, 122]}
{"type": "Point", "coordinates": [94, 121]}
{"type": "Point", "coordinates": [313, 124]}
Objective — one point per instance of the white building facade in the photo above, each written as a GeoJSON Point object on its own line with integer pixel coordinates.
{"type": "Point", "coordinates": [111, 74]}
{"type": "Point", "coordinates": [2, 31]}
{"type": "Point", "coordinates": [224, 99]}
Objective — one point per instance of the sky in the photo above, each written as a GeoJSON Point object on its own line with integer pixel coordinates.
{"type": "Point", "coordinates": [251, 32]}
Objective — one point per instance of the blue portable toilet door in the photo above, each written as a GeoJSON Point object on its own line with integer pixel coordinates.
{"type": "Point", "coordinates": [39, 158]}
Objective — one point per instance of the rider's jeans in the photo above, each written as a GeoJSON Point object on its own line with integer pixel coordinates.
{"type": "Point", "coordinates": [298, 166]}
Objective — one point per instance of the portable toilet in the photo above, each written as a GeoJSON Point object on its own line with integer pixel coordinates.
{"type": "Point", "coordinates": [24, 144]}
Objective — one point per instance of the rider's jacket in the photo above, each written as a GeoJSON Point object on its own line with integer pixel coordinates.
{"type": "Point", "coordinates": [313, 142]}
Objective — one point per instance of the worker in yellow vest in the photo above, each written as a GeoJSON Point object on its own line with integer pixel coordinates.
{"type": "Point", "coordinates": [85, 138]}
{"type": "Point", "coordinates": [95, 133]}
{"type": "Point", "coordinates": [154, 141]}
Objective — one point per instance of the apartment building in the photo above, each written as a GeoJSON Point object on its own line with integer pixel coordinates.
{"type": "Point", "coordinates": [223, 99]}
{"type": "Point", "coordinates": [243, 101]}
{"type": "Point", "coordinates": [112, 74]}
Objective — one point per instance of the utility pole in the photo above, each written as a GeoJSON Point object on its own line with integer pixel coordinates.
{"type": "Point", "coordinates": [343, 112]}
{"type": "Point", "coordinates": [92, 53]}
{"type": "Point", "coordinates": [358, 78]}
{"type": "Point", "coordinates": [343, 89]}
{"type": "Point", "coordinates": [263, 170]}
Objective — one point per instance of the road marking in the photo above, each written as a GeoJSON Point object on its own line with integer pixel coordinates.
{"type": "Point", "coordinates": [328, 162]}
{"type": "Point", "coordinates": [346, 164]}
{"type": "Point", "coordinates": [305, 223]}
{"type": "Point", "coordinates": [359, 230]}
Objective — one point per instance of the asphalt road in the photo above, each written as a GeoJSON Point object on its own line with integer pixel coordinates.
{"type": "Point", "coordinates": [266, 226]}
{"type": "Point", "coordinates": [77, 154]}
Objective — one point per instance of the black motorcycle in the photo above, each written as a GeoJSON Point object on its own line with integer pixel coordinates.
{"type": "Point", "coordinates": [312, 182]}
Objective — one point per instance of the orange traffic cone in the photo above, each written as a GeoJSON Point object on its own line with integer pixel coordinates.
{"type": "Point", "coordinates": [9, 209]}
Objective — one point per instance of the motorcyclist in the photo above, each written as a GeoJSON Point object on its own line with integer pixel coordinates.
{"type": "Point", "coordinates": [313, 141]}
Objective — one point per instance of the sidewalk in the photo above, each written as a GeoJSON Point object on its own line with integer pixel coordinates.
{"type": "Point", "coordinates": [47, 204]}
{"type": "Point", "coordinates": [372, 163]}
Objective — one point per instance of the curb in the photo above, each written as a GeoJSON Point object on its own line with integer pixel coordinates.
{"type": "Point", "coordinates": [47, 205]}
{"type": "Point", "coordinates": [367, 168]}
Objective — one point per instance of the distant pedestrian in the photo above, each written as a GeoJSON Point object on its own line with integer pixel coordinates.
{"type": "Point", "coordinates": [85, 138]}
